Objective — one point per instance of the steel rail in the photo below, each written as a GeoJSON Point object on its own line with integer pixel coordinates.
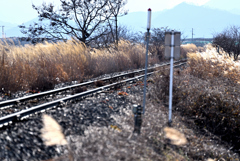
{"type": "Point", "coordinates": [3, 104]}
{"type": "Point", "coordinates": [24, 113]}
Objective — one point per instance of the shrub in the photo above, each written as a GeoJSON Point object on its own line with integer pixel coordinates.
{"type": "Point", "coordinates": [229, 40]}
{"type": "Point", "coordinates": [212, 103]}
{"type": "Point", "coordinates": [161, 90]}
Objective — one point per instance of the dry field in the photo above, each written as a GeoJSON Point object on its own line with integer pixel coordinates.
{"type": "Point", "coordinates": [42, 66]}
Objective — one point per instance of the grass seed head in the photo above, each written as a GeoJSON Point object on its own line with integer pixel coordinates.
{"type": "Point", "coordinates": [52, 132]}
{"type": "Point", "coordinates": [176, 137]}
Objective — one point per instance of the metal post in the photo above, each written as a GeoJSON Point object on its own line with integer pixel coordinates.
{"type": "Point", "coordinates": [139, 110]}
{"type": "Point", "coordinates": [145, 76]}
{"type": "Point", "coordinates": [171, 80]}
{"type": "Point", "coordinates": [146, 59]}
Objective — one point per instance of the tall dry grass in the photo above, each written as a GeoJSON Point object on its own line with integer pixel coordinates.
{"type": "Point", "coordinates": [207, 92]}
{"type": "Point", "coordinates": [189, 48]}
{"type": "Point", "coordinates": [42, 66]}
{"type": "Point", "coordinates": [210, 64]}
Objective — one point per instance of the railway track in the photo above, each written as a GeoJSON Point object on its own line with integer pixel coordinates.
{"type": "Point", "coordinates": [28, 105]}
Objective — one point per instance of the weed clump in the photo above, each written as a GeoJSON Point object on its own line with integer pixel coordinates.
{"type": "Point", "coordinates": [213, 105]}
{"type": "Point", "coordinates": [189, 48]}
{"type": "Point", "coordinates": [207, 92]}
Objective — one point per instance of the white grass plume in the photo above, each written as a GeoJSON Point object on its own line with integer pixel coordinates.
{"type": "Point", "coordinates": [176, 137]}
{"type": "Point", "coordinates": [52, 132]}
{"type": "Point", "coordinates": [209, 159]}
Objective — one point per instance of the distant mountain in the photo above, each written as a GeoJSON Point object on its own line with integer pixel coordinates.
{"type": "Point", "coordinates": [235, 11]}
{"type": "Point", "coordinates": [204, 21]}
{"type": "Point", "coordinates": [136, 20]}
{"type": "Point", "coordinates": [16, 31]}
{"type": "Point", "coordinates": [232, 6]}
{"type": "Point", "coordinates": [223, 4]}
{"type": "Point", "coordinates": [184, 17]}
{"type": "Point", "coordinates": [7, 26]}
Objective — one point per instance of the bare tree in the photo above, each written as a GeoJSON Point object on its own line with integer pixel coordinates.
{"type": "Point", "coordinates": [117, 9]}
{"type": "Point", "coordinates": [229, 40]}
{"type": "Point", "coordinates": [107, 40]}
{"type": "Point", "coordinates": [157, 39]}
{"type": "Point", "coordinates": [83, 20]}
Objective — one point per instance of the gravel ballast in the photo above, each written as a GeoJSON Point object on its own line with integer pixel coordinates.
{"type": "Point", "coordinates": [22, 140]}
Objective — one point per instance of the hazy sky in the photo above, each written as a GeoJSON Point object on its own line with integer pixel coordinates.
{"type": "Point", "coordinates": [20, 11]}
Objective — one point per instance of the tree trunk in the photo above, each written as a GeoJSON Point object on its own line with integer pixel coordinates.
{"type": "Point", "coordinates": [116, 32]}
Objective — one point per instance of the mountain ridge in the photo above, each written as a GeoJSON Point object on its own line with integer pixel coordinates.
{"type": "Point", "coordinates": [202, 20]}
{"type": "Point", "coordinates": [223, 4]}
{"type": "Point", "coordinates": [184, 17]}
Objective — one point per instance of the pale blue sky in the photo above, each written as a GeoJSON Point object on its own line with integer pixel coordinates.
{"type": "Point", "coordinates": [20, 11]}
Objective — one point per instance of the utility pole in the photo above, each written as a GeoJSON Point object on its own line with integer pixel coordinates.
{"type": "Point", "coordinates": [2, 31]}
{"type": "Point", "coordinates": [192, 35]}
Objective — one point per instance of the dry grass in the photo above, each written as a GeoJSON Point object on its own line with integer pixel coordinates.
{"type": "Point", "coordinates": [207, 92]}
{"type": "Point", "coordinates": [190, 48]}
{"type": "Point", "coordinates": [210, 64]}
{"type": "Point", "coordinates": [176, 137]}
{"type": "Point", "coordinates": [52, 132]}
{"type": "Point", "coordinates": [42, 66]}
